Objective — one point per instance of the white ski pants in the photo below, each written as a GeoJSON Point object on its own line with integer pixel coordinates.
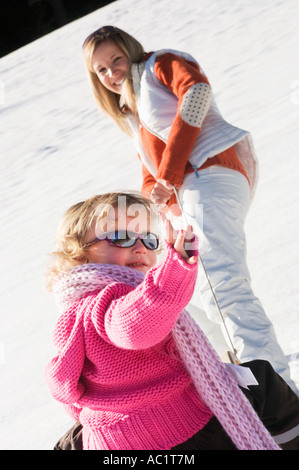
{"type": "Point", "coordinates": [216, 203]}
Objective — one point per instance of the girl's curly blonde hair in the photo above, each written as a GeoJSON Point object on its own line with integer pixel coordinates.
{"type": "Point", "coordinates": [75, 224]}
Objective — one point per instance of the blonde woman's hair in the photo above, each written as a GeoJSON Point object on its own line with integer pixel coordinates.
{"type": "Point", "coordinates": [108, 101]}
{"type": "Point", "coordinates": [77, 221]}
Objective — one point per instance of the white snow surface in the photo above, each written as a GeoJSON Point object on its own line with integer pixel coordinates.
{"type": "Point", "coordinates": [56, 149]}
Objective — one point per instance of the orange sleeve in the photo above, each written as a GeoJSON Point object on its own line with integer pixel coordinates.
{"type": "Point", "coordinates": [148, 180]}
{"type": "Point", "coordinates": [193, 91]}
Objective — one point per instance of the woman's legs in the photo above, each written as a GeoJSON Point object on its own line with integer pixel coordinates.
{"type": "Point", "coordinates": [216, 205]}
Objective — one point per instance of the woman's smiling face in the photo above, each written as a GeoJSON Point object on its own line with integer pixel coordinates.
{"type": "Point", "coordinates": [111, 65]}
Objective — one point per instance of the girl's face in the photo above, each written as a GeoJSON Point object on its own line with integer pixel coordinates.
{"type": "Point", "coordinates": [137, 256]}
{"type": "Point", "coordinates": [111, 65]}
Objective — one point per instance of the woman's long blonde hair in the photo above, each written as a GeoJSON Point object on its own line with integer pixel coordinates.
{"type": "Point", "coordinates": [108, 101]}
{"type": "Point", "coordinates": [77, 221]}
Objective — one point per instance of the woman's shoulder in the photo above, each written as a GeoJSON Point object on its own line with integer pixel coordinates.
{"type": "Point", "coordinates": [161, 54]}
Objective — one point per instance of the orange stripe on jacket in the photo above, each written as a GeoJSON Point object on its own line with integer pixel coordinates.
{"type": "Point", "coordinates": [171, 158]}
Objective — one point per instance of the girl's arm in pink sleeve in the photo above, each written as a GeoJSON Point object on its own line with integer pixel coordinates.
{"type": "Point", "coordinates": [144, 316]}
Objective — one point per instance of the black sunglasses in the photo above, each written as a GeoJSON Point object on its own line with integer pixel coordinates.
{"type": "Point", "coordinates": [104, 32]}
{"type": "Point", "coordinates": [126, 239]}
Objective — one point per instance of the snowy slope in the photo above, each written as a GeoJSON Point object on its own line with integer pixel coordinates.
{"type": "Point", "coordinates": [56, 150]}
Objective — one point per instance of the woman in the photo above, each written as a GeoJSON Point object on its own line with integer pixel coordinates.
{"type": "Point", "coordinates": [164, 101]}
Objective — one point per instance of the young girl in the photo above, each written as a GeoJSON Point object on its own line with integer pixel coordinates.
{"type": "Point", "coordinates": [131, 365]}
{"type": "Point", "coordinates": [164, 101]}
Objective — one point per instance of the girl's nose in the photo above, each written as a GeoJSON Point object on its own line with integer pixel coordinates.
{"type": "Point", "coordinates": [139, 247]}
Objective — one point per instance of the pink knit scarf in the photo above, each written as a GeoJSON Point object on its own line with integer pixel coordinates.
{"type": "Point", "coordinates": [216, 387]}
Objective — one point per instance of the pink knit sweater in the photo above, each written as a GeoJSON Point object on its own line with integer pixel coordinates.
{"type": "Point", "coordinates": [119, 367]}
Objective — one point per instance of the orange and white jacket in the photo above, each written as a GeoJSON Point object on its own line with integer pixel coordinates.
{"type": "Point", "coordinates": [180, 128]}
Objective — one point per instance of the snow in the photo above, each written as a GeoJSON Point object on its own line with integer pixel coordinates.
{"type": "Point", "coordinates": [56, 149]}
